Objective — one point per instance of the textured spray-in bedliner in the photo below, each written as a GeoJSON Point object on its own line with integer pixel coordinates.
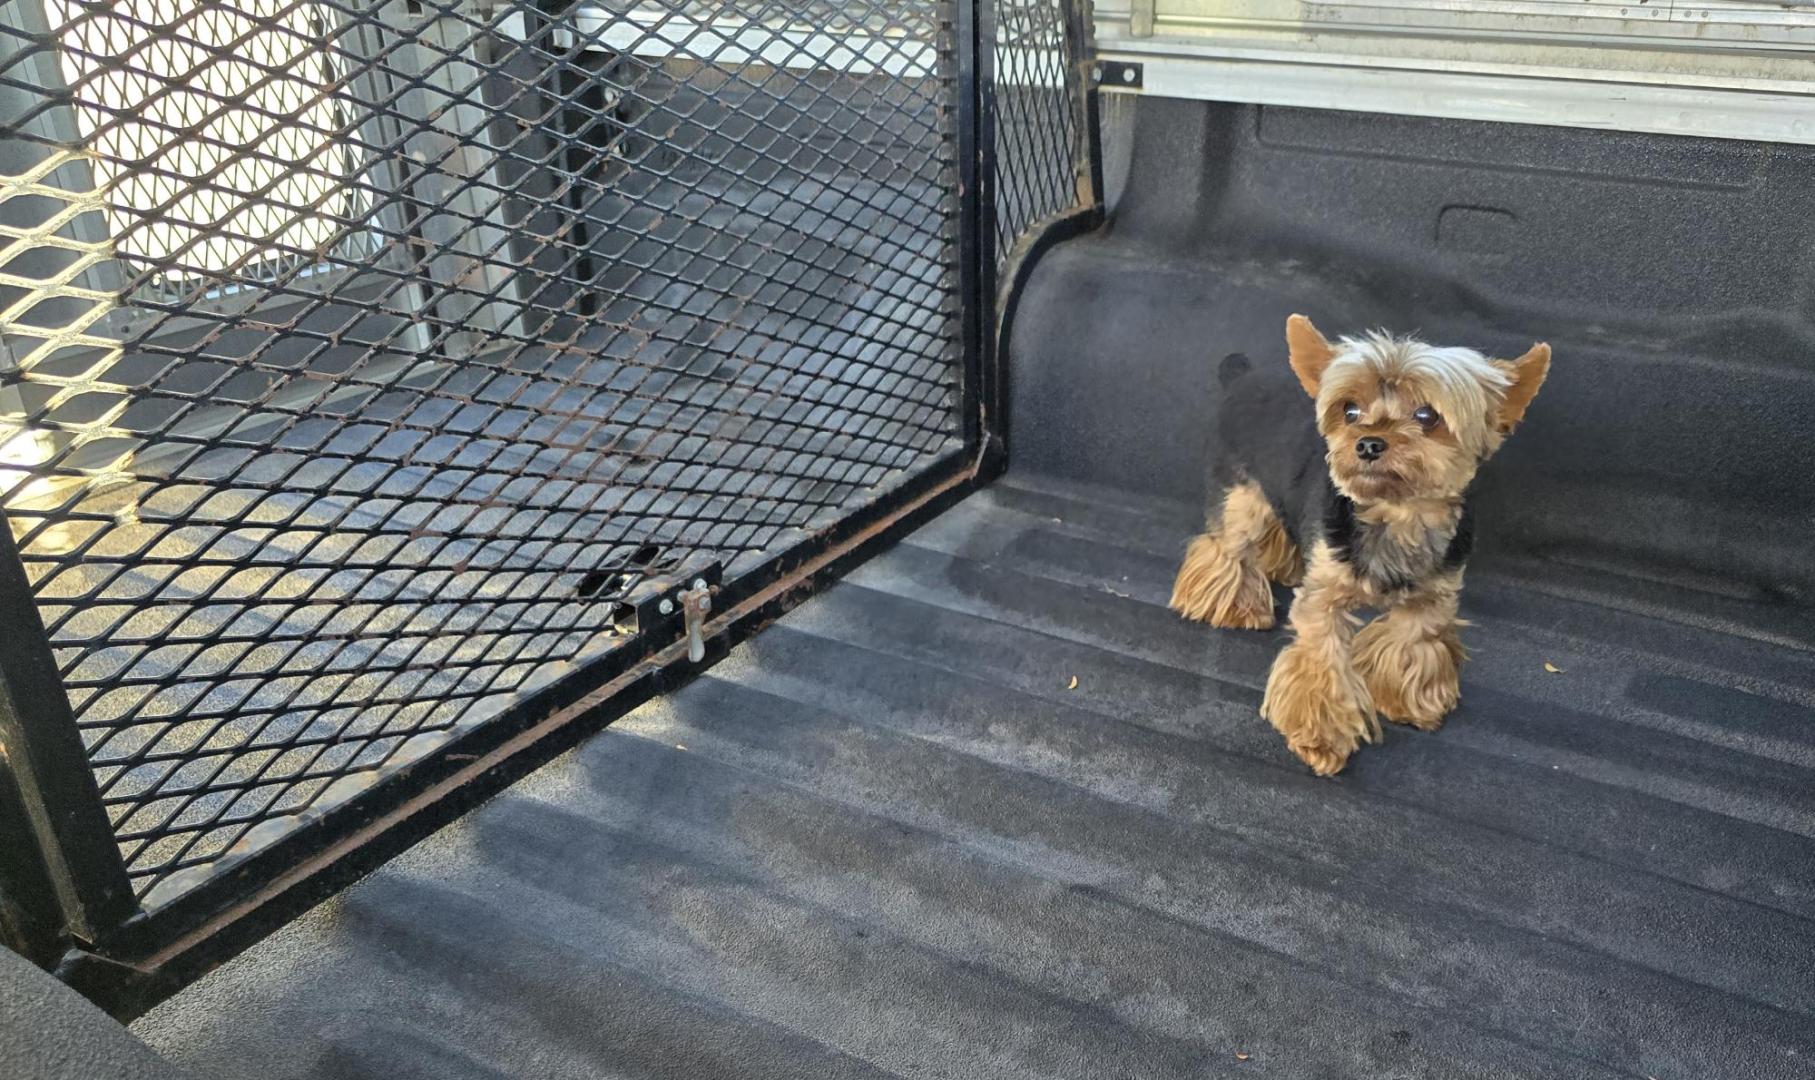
{"type": "Point", "coordinates": [987, 809]}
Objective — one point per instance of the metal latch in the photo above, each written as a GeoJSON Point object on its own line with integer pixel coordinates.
{"type": "Point", "coordinates": [654, 605]}
{"type": "Point", "coordinates": [696, 604]}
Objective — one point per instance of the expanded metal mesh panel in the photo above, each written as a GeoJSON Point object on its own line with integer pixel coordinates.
{"type": "Point", "coordinates": [357, 359]}
{"type": "Point", "coordinates": [1037, 136]}
{"type": "Point", "coordinates": [214, 206]}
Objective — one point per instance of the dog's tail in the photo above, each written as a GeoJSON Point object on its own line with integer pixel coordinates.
{"type": "Point", "coordinates": [1233, 367]}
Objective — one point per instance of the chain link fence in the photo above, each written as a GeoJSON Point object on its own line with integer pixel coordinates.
{"type": "Point", "coordinates": [357, 360]}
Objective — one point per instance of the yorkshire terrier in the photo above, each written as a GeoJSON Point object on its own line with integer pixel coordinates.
{"type": "Point", "coordinates": [1359, 504]}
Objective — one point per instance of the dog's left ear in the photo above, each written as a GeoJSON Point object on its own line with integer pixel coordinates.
{"type": "Point", "coordinates": [1527, 374]}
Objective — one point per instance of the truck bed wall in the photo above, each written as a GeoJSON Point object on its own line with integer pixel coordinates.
{"type": "Point", "coordinates": [1675, 439]}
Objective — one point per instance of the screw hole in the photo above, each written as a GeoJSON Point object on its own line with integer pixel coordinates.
{"type": "Point", "coordinates": [624, 618]}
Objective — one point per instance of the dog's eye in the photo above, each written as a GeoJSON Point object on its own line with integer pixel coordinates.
{"type": "Point", "coordinates": [1426, 416]}
{"type": "Point", "coordinates": [1351, 412]}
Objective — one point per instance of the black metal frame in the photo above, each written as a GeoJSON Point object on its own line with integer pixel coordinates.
{"type": "Point", "coordinates": [64, 896]}
{"type": "Point", "coordinates": [65, 870]}
{"type": "Point", "coordinates": [975, 241]}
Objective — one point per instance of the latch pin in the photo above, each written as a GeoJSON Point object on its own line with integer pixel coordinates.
{"type": "Point", "coordinates": [696, 604]}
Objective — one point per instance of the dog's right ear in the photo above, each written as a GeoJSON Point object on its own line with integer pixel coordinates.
{"type": "Point", "coordinates": [1526, 375]}
{"type": "Point", "coordinates": [1310, 352]}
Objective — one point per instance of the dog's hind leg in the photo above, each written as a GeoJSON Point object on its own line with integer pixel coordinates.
{"type": "Point", "coordinates": [1280, 559]}
{"type": "Point", "coordinates": [1411, 657]}
{"type": "Point", "coordinates": [1223, 580]}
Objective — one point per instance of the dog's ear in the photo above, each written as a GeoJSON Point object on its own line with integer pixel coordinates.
{"type": "Point", "coordinates": [1527, 374]}
{"type": "Point", "coordinates": [1309, 352]}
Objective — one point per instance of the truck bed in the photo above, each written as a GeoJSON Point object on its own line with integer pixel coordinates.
{"type": "Point", "coordinates": [986, 808]}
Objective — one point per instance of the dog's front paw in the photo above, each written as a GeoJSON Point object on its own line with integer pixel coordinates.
{"type": "Point", "coordinates": [1413, 680]}
{"type": "Point", "coordinates": [1322, 708]}
{"type": "Point", "coordinates": [1323, 760]}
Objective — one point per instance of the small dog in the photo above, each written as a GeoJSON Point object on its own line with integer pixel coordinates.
{"type": "Point", "coordinates": [1361, 504]}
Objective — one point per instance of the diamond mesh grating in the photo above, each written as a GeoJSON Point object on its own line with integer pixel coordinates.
{"type": "Point", "coordinates": [356, 360]}
{"type": "Point", "coordinates": [1037, 136]}
{"type": "Point", "coordinates": [207, 202]}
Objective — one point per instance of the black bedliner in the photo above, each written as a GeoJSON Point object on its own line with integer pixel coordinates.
{"type": "Point", "coordinates": [888, 836]}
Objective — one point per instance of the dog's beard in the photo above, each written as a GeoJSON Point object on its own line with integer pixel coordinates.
{"type": "Point", "coordinates": [1376, 485]}
{"type": "Point", "coordinates": [1368, 482]}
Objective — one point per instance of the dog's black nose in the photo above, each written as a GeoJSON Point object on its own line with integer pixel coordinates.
{"type": "Point", "coordinates": [1369, 447]}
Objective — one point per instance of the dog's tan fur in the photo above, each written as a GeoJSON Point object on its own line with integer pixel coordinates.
{"type": "Point", "coordinates": [1315, 697]}
{"type": "Point", "coordinates": [1223, 580]}
{"type": "Point", "coordinates": [1411, 656]}
{"type": "Point", "coordinates": [1328, 687]}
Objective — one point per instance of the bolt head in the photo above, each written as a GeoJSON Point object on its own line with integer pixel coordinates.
{"type": "Point", "coordinates": [666, 607]}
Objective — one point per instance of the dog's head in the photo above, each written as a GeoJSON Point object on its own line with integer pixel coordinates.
{"type": "Point", "coordinates": [1405, 420]}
